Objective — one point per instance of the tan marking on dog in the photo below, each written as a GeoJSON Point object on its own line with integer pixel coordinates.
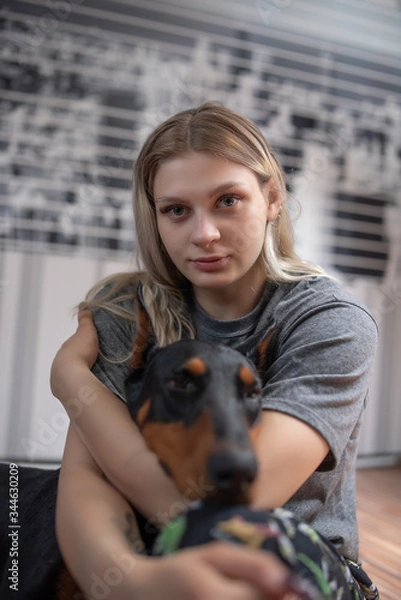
{"type": "Point", "coordinates": [143, 412]}
{"type": "Point", "coordinates": [196, 366]}
{"type": "Point", "coordinates": [246, 375]}
{"type": "Point", "coordinates": [185, 451]}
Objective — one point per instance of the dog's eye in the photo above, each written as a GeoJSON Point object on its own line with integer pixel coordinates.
{"type": "Point", "coordinates": [182, 383]}
{"type": "Point", "coordinates": [253, 404]}
{"type": "Point", "coordinates": [251, 392]}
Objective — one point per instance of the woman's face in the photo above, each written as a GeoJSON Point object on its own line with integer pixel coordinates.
{"type": "Point", "coordinates": [212, 216]}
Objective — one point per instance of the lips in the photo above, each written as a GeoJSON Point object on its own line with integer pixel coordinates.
{"type": "Point", "coordinates": [210, 263]}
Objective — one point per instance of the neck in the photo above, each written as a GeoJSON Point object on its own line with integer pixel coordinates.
{"type": "Point", "coordinates": [229, 304]}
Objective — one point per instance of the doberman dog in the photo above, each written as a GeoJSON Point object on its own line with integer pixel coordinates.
{"type": "Point", "coordinates": [198, 406]}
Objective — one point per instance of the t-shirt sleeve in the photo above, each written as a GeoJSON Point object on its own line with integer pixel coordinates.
{"type": "Point", "coordinates": [116, 336]}
{"type": "Point", "coordinates": [321, 372]}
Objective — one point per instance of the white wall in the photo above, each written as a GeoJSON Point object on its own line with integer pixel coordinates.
{"type": "Point", "coordinates": [38, 296]}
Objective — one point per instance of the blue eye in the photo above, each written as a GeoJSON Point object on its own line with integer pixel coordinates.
{"type": "Point", "coordinates": [229, 201]}
{"type": "Point", "coordinates": [174, 211]}
{"type": "Point", "coordinates": [177, 211]}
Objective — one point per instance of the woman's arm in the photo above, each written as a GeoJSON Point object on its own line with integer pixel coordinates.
{"type": "Point", "coordinates": [314, 395]}
{"type": "Point", "coordinates": [107, 430]}
{"type": "Point", "coordinates": [90, 516]}
{"type": "Point", "coordinates": [289, 451]}
{"type": "Point", "coordinates": [98, 539]}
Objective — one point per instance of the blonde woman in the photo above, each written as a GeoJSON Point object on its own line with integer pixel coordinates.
{"type": "Point", "coordinates": [216, 244]}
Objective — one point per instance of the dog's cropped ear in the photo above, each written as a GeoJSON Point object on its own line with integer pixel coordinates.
{"type": "Point", "coordinates": [144, 339]}
{"type": "Point", "coordinates": [142, 346]}
{"type": "Point", "coordinates": [265, 354]}
{"type": "Point", "coordinates": [134, 383]}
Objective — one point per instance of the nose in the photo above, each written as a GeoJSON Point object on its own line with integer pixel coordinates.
{"type": "Point", "coordinates": [205, 231]}
{"type": "Point", "coordinates": [232, 472]}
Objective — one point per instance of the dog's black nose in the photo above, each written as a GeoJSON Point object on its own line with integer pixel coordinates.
{"type": "Point", "coordinates": [232, 472]}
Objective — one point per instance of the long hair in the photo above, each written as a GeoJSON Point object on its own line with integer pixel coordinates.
{"type": "Point", "coordinates": [221, 132]}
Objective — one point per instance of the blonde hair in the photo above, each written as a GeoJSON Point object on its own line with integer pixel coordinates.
{"type": "Point", "coordinates": [217, 130]}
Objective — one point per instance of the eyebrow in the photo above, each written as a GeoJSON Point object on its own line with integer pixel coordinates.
{"type": "Point", "coordinates": [224, 187]}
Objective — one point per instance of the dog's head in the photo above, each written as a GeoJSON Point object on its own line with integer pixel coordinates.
{"type": "Point", "coordinates": [196, 404]}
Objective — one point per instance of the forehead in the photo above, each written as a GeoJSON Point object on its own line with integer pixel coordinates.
{"type": "Point", "coordinates": [199, 359]}
{"type": "Point", "coordinates": [198, 172]}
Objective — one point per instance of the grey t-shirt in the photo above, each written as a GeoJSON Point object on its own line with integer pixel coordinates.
{"type": "Point", "coordinates": [320, 346]}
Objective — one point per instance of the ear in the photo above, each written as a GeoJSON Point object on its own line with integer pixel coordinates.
{"type": "Point", "coordinates": [273, 200]}
{"type": "Point", "coordinates": [133, 384]}
{"type": "Point", "coordinates": [144, 338]}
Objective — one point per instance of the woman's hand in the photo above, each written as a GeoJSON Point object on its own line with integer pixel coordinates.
{"type": "Point", "coordinates": [216, 570]}
{"type": "Point", "coordinates": [78, 352]}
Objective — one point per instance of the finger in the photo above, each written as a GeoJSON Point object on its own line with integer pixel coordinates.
{"type": "Point", "coordinates": [261, 569]}
{"type": "Point", "coordinates": [83, 308]}
{"type": "Point", "coordinates": [84, 314]}
{"type": "Point", "coordinates": [228, 589]}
